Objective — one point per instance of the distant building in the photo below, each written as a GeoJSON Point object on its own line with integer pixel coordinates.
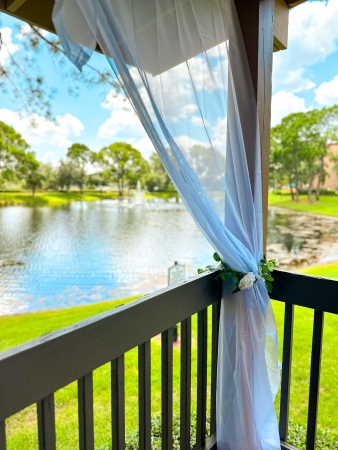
{"type": "Point", "coordinates": [331, 180]}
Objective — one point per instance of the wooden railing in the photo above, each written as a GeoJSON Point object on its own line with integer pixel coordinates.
{"type": "Point", "coordinates": [320, 295]}
{"type": "Point", "coordinates": [33, 372]}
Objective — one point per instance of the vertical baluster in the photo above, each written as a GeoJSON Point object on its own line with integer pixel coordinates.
{"type": "Point", "coordinates": [2, 435]}
{"type": "Point", "coordinates": [286, 372]}
{"type": "Point", "coordinates": [144, 396]}
{"type": "Point", "coordinates": [117, 392]}
{"type": "Point", "coordinates": [185, 398]}
{"type": "Point", "coordinates": [216, 309]}
{"type": "Point", "coordinates": [317, 339]}
{"type": "Point", "coordinates": [202, 318]}
{"type": "Point", "coordinates": [167, 389]}
{"type": "Point", "coordinates": [86, 412]}
{"type": "Point", "coordinates": [46, 423]}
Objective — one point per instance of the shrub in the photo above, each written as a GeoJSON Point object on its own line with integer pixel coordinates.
{"type": "Point", "coordinates": [156, 441]}
{"type": "Point", "coordinates": [297, 436]}
{"type": "Point", "coordinates": [325, 439]}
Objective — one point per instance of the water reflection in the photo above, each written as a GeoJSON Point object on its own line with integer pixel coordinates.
{"type": "Point", "coordinates": [86, 252]}
{"type": "Point", "coordinates": [299, 239]}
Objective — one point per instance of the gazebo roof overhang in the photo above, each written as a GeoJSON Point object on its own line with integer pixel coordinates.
{"type": "Point", "coordinates": [39, 14]}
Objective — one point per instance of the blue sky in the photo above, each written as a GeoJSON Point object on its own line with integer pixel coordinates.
{"type": "Point", "coordinates": [305, 76]}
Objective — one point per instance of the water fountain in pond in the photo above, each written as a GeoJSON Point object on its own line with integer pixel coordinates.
{"type": "Point", "coordinates": [138, 196]}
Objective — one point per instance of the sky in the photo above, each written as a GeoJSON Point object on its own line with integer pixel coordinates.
{"type": "Point", "coordinates": [305, 76]}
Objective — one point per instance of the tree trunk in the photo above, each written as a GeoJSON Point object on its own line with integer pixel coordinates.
{"type": "Point", "coordinates": [297, 184]}
{"type": "Point", "coordinates": [33, 191]}
{"type": "Point", "coordinates": [120, 186]}
{"type": "Point", "coordinates": [320, 175]}
{"type": "Point", "coordinates": [291, 191]}
{"type": "Point", "coordinates": [309, 189]}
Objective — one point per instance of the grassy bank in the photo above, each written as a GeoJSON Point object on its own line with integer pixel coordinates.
{"type": "Point", "coordinates": [21, 328]}
{"type": "Point", "coordinates": [51, 198]}
{"type": "Point", "coordinates": [162, 194]}
{"type": "Point", "coordinates": [327, 205]}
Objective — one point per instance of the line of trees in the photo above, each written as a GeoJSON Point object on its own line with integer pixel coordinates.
{"type": "Point", "coordinates": [299, 149]}
{"type": "Point", "coordinates": [118, 163]}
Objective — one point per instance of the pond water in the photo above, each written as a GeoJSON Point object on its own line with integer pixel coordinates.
{"type": "Point", "coordinates": [87, 252]}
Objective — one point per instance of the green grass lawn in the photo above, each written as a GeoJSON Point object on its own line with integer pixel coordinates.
{"type": "Point", "coordinates": [51, 198]}
{"type": "Point", "coordinates": [21, 328]}
{"type": "Point", "coordinates": [327, 204]}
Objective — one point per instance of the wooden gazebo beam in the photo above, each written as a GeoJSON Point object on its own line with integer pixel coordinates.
{"type": "Point", "coordinates": [35, 12]}
{"type": "Point", "coordinates": [39, 13]}
{"type": "Point", "coordinates": [293, 3]}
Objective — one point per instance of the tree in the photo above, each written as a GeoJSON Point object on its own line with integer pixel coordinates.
{"type": "Point", "coordinates": [21, 76]}
{"type": "Point", "coordinates": [122, 163]}
{"type": "Point", "coordinates": [209, 165]}
{"type": "Point", "coordinates": [158, 178]}
{"type": "Point", "coordinates": [30, 171]}
{"type": "Point", "coordinates": [299, 147]}
{"type": "Point", "coordinates": [49, 176]}
{"type": "Point", "coordinates": [80, 155]}
{"type": "Point", "coordinates": [285, 155]}
{"type": "Point", "coordinates": [97, 180]}
{"type": "Point", "coordinates": [12, 149]}
{"type": "Point", "coordinates": [65, 174]}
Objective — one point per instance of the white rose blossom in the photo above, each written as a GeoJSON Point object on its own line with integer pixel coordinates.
{"type": "Point", "coordinates": [276, 262]}
{"type": "Point", "coordinates": [247, 281]}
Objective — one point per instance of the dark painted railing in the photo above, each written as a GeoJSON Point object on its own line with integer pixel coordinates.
{"type": "Point", "coordinates": [33, 372]}
{"type": "Point", "coordinates": [320, 295]}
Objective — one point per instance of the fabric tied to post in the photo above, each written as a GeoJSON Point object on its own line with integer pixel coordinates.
{"type": "Point", "coordinates": [182, 65]}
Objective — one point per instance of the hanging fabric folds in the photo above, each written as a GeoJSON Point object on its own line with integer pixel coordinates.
{"type": "Point", "coordinates": [183, 67]}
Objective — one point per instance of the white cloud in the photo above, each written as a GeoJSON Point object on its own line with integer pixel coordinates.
{"type": "Point", "coordinates": [220, 134]}
{"type": "Point", "coordinates": [7, 48]}
{"type": "Point", "coordinates": [123, 123]}
{"type": "Point", "coordinates": [175, 91]}
{"type": "Point", "coordinates": [116, 100]}
{"type": "Point", "coordinates": [219, 51]}
{"type": "Point", "coordinates": [50, 158]}
{"type": "Point", "coordinates": [198, 121]}
{"type": "Point", "coordinates": [284, 103]}
{"type": "Point", "coordinates": [313, 36]}
{"type": "Point", "coordinates": [38, 130]}
{"type": "Point", "coordinates": [327, 92]}
{"type": "Point", "coordinates": [294, 81]}
{"type": "Point", "coordinates": [186, 142]}
{"type": "Point", "coordinates": [145, 146]}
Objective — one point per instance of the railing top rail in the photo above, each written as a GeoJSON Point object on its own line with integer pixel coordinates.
{"type": "Point", "coordinates": [33, 370]}
{"type": "Point", "coordinates": [305, 290]}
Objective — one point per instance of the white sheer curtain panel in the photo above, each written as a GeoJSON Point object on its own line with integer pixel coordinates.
{"type": "Point", "coordinates": [183, 67]}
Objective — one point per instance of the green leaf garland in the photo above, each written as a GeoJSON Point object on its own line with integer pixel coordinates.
{"type": "Point", "coordinates": [225, 271]}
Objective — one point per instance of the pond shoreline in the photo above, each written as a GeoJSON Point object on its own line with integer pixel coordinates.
{"type": "Point", "coordinates": [52, 198]}
{"type": "Point", "coordinates": [87, 252]}
{"type": "Point", "coordinates": [326, 206]}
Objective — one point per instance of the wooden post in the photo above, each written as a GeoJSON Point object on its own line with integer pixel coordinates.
{"type": "Point", "coordinates": [256, 21]}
